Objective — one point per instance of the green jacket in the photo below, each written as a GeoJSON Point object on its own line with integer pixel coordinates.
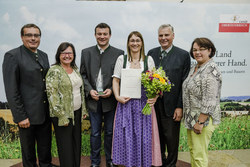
{"type": "Point", "coordinates": [60, 95]}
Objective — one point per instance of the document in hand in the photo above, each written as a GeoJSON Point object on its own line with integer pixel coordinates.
{"type": "Point", "coordinates": [131, 83]}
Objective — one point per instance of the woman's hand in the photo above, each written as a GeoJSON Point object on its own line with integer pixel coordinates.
{"type": "Point", "coordinates": [84, 116]}
{"type": "Point", "coordinates": [66, 125]}
{"type": "Point", "coordinates": [122, 99]}
{"type": "Point", "coordinates": [198, 128]}
{"type": "Point", "coordinates": [152, 101]}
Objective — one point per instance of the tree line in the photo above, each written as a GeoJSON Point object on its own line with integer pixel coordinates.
{"type": "Point", "coordinates": [232, 106]}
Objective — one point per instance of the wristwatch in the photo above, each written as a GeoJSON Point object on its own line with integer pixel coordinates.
{"type": "Point", "coordinates": [200, 123]}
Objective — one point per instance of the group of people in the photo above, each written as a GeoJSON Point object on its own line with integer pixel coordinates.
{"type": "Point", "coordinates": [65, 94]}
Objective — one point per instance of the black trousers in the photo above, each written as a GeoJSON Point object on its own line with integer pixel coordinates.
{"type": "Point", "coordinates": [68, 140]}
{"type": "Point", "coordinates": [39, 135]}
{"type": "Point", "coordinates": [169, 131]}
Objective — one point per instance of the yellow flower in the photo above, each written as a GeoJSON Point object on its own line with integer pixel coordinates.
{"type": "Point", "coordinates": [243, 129]}
{"type": "Point", "coordinates": [162, 80]}
{"type": "Point", "coordinates": [156, 76]}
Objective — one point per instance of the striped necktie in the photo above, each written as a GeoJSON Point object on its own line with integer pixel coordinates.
{"type": "Point", "coordinates": [163, 54]}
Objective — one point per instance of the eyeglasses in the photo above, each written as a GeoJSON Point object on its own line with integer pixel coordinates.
{"type": "Point", "coordinates": [199, 50]}
{"type": "Point", "coordinates": [137, 41]}
{"type": "Point", "coordinates": [32, 35]}
{"type": "Point", "coordinates": [67, 53]}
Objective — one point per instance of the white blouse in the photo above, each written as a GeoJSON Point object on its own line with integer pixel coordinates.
{"type": "Point", "coordinates": [76, 85]}
{"type": "Point", "coordinates": [119, 65]}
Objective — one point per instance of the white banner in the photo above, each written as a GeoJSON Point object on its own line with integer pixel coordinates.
{"type": "Point", "coordinates": [74, 21]}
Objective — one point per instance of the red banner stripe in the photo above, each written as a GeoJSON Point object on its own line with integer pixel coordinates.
{"type": "Point", "coordinates": [233, 27]}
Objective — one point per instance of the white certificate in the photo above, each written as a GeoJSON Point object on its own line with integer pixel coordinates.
{"type": "Point", "coordinates": [131, 83]}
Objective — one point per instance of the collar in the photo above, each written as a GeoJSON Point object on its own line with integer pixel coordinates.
{"type": "Point", "coordinates": [31, 52]}
{"type": "Point", "coordinates": [167, 50]}
{"type": "Point", "coordinates": [101, 50]}
{"type": "Point", "coordinates": [204, 65]}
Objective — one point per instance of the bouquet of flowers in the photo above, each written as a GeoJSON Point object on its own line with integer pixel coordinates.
{"type": "Point", "coordinates": [155, 82]}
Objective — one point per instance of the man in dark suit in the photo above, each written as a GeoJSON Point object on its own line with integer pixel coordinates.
{"type": "Point", "coordinates": [24, 70]}
{"type": "Point", "coordinates": [97, 65]}
{"type": "Point", "coordinates": [176, 63]}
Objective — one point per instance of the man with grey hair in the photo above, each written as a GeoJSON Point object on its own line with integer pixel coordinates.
{"type": "Point", "coordinates": [176, 63]}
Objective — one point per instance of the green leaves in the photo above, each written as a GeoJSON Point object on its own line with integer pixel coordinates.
{"type": "Point", "coordinates": [155, 83]}
{"type": "Point", "coordinates": [146, 110]}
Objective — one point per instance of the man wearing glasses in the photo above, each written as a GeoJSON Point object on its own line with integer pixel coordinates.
{"type": "Point", "coordinates": [24, 71]}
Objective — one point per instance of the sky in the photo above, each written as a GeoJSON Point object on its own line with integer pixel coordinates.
{"type": "Point", "coordinates": [74, 21]}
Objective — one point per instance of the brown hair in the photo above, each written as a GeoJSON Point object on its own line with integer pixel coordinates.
{"type": "Point", "coordinates": [103, 25]}
{"type": "Point", "coordinates": [205, 43]}
{"type": "Point", "coordinates": [63, 46]}
{"type": "Point", "coordinates": [30, 26]}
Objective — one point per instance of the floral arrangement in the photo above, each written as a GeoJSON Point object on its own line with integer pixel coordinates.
{"type": "Point", "coordinates": [155, 82]}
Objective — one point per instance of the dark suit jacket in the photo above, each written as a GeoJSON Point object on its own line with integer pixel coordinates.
{"type": "Point", "coordinates": [24, 81]}
{"type": "Point", "coordinates": [176, 65]}
{"type": "Point", "coordinates": [91, 62]}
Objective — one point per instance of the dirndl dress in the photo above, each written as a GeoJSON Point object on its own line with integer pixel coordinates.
{"type": "Point", "coordinates": [135, 139]}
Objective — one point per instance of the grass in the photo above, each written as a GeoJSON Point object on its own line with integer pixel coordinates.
{"type": "Point", "coordinates": [10, 150]}
{"type": "Point", "coordinates": [232, 133]}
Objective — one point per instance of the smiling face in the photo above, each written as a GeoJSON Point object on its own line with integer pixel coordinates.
{"type": "Point", "coordinates": [102, 36]}
{"type": "Point", "coordinates": [67, 56]}
{"type": "Point", "coordinates": [201, 54]}
{"type": "Point", "coordinates": [135, 44]}
{"type": "Point", "coordinates": [165, 37]}
{"type": "Point", "coordinates": [31, 38]}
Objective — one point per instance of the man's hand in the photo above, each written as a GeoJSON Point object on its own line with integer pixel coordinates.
{"type": "Point", "coordinates": [106, 93]}
{"type": "Point", "coordinates": [94, 95]}
{"type": "Point", "coordinates": [24, 123]}
{"type": "Point", "coordinates": [177, 114]}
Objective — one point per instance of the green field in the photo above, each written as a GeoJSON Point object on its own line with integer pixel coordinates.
{"type": "Point", "coordinates": [232, 133]}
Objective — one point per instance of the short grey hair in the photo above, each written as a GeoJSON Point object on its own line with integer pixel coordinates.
{"type": "Point", "coordinates": [166, 26]}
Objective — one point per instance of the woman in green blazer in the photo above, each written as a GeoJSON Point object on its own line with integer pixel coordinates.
{"type": "Point", "coordinates": [65, 90]}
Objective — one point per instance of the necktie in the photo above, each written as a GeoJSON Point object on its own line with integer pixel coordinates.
{"type": "Point", "coordinates": [163, 53]}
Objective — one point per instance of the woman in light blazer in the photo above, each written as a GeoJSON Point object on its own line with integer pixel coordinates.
{"type": "Point", "coordinates": [201, 100]}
